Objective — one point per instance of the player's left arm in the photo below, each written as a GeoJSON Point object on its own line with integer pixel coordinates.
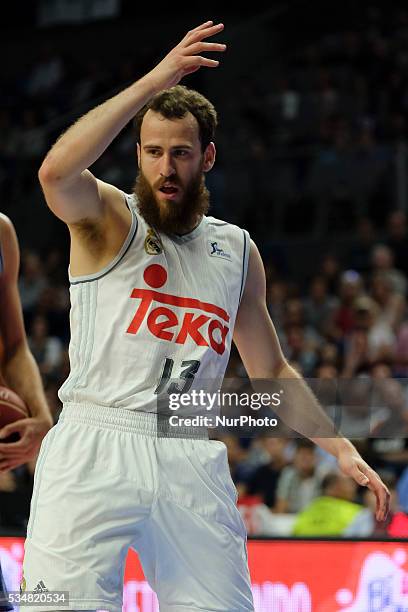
{"type": "Point", "coordinates": [19, 370]}
{"type": "Point", "coordinates": [261, 353]}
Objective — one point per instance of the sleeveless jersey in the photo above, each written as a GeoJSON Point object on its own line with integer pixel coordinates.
{"type": "Point", "coordinates": [163, 309]}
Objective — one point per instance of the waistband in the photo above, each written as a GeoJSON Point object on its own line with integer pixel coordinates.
{"type": "Point", "coordinates": [129, 421]}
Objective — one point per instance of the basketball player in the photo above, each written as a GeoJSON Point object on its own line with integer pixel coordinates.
{"type": "Point", "coordinates": [158, 289]}
{"type": "Point", "coordinates": [18, 370]}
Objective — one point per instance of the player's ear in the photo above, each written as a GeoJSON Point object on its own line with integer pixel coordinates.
{"type": "Point", "coordinates": [209, 157]}
{"type": "Point", "coordinates": [138, 154]}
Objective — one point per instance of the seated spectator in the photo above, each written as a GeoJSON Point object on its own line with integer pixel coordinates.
{"type": "Point", "coordinates": [329, 355]}
{"type": "Point", "coordinates": [241, 467]}
{"type": "Point", "coordinates": [298, 349]}
{"type": "Point", "coordinates": [380, 336]}
{"type": "Point", "coordinates": [397, 239]}
{"type": "Point", "coordinates": [330, 271]}
{"type": "Point", "coordinates": [47, 350]}
{"type": "Point", "coordinates": [392, 304]}
{"type": "Point", "coordinates": [359, 256]}
{"type": "Point", "coordinates": [299, 483]}
{"type": "Point", "coordinates": [319, 305]}
{"type": "Point", "coordinates": [275, 299]}
{"type": "Point", "coordinates": [32, 281]}
{"type": "Point", "coordinates": [382, 260]}
{"type": "Point", "coordinates": [333, 512]}
{"type": "Point", "coordinates": [265, 479]}
{"type": "Point", "coordinates": [401, 352]}
{"type": "Point", "coordinates": [341, 321]}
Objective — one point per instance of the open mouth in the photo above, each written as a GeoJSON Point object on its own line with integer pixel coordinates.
{"type": "Point", "coordinates": [168, 189]}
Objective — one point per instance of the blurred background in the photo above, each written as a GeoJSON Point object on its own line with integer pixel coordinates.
{"type": "Point", "coordinates": [312, 160]}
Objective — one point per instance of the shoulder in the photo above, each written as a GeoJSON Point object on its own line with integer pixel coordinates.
{"type": "Point", "coordinates": [222, 232]}
{"type": "Point", "coordinates": [9, 251]}
{"type": "Point", "coordinates": [221, 223]}
{"type": "Point", "coordinates": [8, 238]}
{"type": "Point", "coordinates": [6, 225]}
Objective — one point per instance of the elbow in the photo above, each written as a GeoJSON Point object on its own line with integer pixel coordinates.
{"type": "Point", "coordinates": [48, 173]}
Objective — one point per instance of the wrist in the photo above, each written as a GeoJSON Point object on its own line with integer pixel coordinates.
{"type": "Point", "coordinates": [148, 86]}
{"type": "Point", "coordinates": [343, 445]}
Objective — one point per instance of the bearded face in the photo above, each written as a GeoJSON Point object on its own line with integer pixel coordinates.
{"type": "Point", "coordinates": [170, 188]}
{"type": "Point", "coordinates": [170, 206]}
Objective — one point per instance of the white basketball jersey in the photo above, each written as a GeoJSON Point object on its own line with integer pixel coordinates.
{"type": "Point", "coordinates": [163, 309]}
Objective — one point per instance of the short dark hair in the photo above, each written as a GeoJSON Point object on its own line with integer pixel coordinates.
{"type": "Point", "coordinates": [305, 443]}
{"type": "Point", "coordinates": [175, 103]}
{"type": "Point", "coordinates": [329, 480]}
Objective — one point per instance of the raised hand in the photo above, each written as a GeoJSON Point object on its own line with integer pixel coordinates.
{"type": "Point", "coordinates": [186, 57]}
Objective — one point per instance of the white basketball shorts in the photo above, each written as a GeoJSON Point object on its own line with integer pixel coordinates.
{"type": "Point", "coordinates": [108, 479]}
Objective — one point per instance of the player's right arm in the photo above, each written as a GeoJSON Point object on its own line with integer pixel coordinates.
{"type": "Point", "coordinates": [71, 191]}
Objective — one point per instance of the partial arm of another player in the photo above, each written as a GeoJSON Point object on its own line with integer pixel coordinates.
{"type": "Point", "coordinates": [258, 345]}
{"type": "Point", "coordinates": [20, 370]}
{"type": "Point", "coordinates": [71, 191]}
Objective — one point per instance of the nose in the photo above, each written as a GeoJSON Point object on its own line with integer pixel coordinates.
{"type": "Point", "coordinates": [167, 168]}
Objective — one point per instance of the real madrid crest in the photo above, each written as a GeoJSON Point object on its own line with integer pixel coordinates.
{"type": "Point", "coordinates": [152, 243]}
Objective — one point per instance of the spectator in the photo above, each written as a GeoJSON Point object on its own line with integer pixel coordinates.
{"type": "Point", "coordinates": [299, 483]}
{"type": "Point", "coordinates": [318, 306]}
{"type": "Point", "coordinates": [31, 283]}
{"type": "Point", "coordinates": [342, 320]}
{"type": "Point", "coordinates": [265, 479]}
{"type": "Point", "coordinates": [397, 239]}
{"type": "Point", "coordinates": [382, 260]}
{"type": "Point", "coordinates": [332, 513]}
{"type": "Point", "coordinates": [47, 350]}
{"type": "Point", "coordinates": [359, 257]}
{"type": "Point", "coordinates": [381, 339]}
{"type": "Point", "coordinates": [392, 304]}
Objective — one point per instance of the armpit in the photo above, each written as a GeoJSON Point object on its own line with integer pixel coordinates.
{"type": "Point", "coordinates": [90, 233]}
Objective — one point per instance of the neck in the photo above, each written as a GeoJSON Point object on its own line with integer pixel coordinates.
{"type": "Point", "coordinates": [191, 227]}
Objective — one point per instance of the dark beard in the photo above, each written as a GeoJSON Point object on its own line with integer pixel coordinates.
{"type": "Point", "coordinates": [173, 217]}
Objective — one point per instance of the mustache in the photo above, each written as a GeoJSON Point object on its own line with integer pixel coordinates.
{"type": "Point", "coordinates": [174, 182]}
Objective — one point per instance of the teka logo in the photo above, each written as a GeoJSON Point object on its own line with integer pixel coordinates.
{"type": "Point", "coordinates": [167, 324]}
{"type": "Point", "coordinates": [216, 251]}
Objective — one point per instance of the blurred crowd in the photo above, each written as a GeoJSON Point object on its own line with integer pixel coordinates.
{"type": "Point", "coordinates": [317, 137]}
{"type": "Point", "coordinates": [315, 142]}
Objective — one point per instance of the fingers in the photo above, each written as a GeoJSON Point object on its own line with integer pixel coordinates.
{"type": "Point", "coordinates": [359, 476]}
{"type": "Point", "coordinates": [5, 466]}
{"type": "Point", "coordinates": [199, 47]}
{"type": "Point", "coordinates": [15, 427]}
{"type": "Point", "coordinates": [195, 62]}
{"type": "Point", "coordinates": [383, 500]}
{"type": "Point", "coordinates": [11, 447]}
{"type": "Point", "coordinates": [376, 485]}
{"type": "Point", "coordinates": [202, 32]}
{"type": "Point", "coordinates": [204, 25]}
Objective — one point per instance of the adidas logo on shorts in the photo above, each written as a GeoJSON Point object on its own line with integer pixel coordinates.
{"type": "Point", "coordinates": [40, 588]}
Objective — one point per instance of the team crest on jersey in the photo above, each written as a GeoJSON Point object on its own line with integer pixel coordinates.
{"type": "Point", "coordinates": [152, 243]}
{"type": "Point", "coordinates": [217, 251]}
